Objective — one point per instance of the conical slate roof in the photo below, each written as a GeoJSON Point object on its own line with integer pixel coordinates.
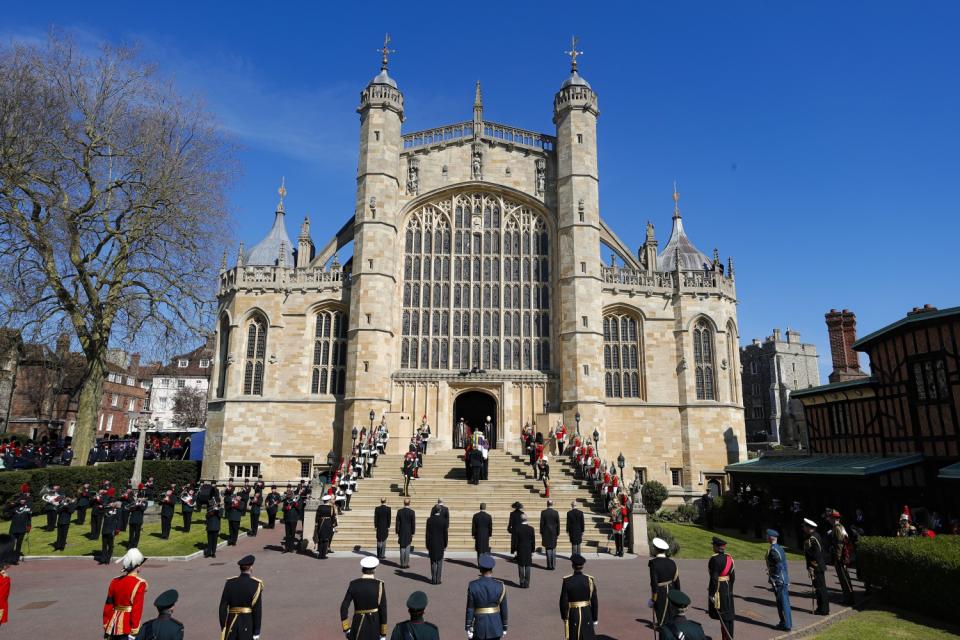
{"type": "Point", "coordinates": [575, 79]}
{"type": "Point", "coordinates": [267, 251]}
{"type": "Point", "coordinates": [681, 248]}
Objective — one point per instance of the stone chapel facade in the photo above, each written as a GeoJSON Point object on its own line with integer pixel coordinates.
{"type": "Point", "coordinates": [476, 287]}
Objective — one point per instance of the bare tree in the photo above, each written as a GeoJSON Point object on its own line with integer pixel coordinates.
{"type": "Point", "coordinates": [190, 408]}
{"type": "Point", "coordinates": [111, 207]}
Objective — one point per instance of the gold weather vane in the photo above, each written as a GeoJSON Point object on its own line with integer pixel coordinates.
{"type": "Point", "coordinates": [676, 200]}
{"type": "Point", "coordinates": [386, 51]}
{"type": "Point", "coordinates": [573, 53]}
{"type": "Point", "coordinates": [282, 191]}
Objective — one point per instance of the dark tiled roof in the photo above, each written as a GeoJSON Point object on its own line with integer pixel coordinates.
{"type": "Point", "coordinates": [833, 386]}
{"type": "Point", "coordinates": [913, 318]}
{"type": "Point", "coordinates": [858, 466]}
{"type": "Point", "coordinates": [193, 368]}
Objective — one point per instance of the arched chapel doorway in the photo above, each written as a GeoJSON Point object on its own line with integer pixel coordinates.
{"type": "Point", "coordinates": [474, 407]}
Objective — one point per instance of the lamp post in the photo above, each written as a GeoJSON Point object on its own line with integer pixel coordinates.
{"type": "Point", "coordinates": [596, 441]}
{"type": "Point", "coordinates": [577, 419]}
{"type": "Point", "coordinates": [373, 414]}
{"type": "Point", "coordinates": [546, 406]}
{"type": "Point", "coordinates": [354, 433]}
{"type": "Point", "coordinates": [620, 463]}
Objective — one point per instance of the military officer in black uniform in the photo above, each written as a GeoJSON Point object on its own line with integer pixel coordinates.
{"type": "Point", "coordinates": [664, 577]}
{"type": "Point", "coordinates": [323, 530]}
{"type": "Point", "coordinates": [167, 505]}
{"type": "Point", "coordinates": [83, 503]}
{"type": "Point", "coordinates": [291, 517]}
{"type": "Point", "coordinates": [96, 513]}
{"type": "Point", "coordinates": [486, 615]}
{"type": "Point", "coordinates": [579, 604]}
{"type": "Point", "coordinates": [50, 508]}
{"type": "Point", "coordinates": [720, 589]}
{"type": "Point", "coordinates": [234, 515]}
{"type": "Point", "coordinates": [369, 598]}
{"type": "Point", "coordinates": [381, 522]}
{"type": "Point", "coordinates": [187, 505]}
{"type": "Point", "coordinates": [20, 522]}
{"type": "Point", "coordinates": [108, 530]}
{"type": "Point", "coordinates": [481, 528]}
{"type": "Point", "coordinates": [680, 628]}
{"type": "Point", "coordinates": [416, 627]}
{"type": "Point", "coordinates": [816, 565]}
{"type": "Point", "coordinates": [163, 627]}
{"type": "Point", "coordinates": [273, 501]}
{"type": "Point", "coordinates": [241, 604]}
{"type": "Point", "coordinates": [212, 522]}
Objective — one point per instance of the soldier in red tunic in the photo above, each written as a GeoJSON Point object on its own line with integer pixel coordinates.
{"type": "Point", "coordinates": [8, 556]}
{"type": "Point", "coordinates": [124, 606]}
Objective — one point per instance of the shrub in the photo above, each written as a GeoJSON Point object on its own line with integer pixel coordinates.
{"type": "Point", "coordinates": [920, 574]}
{"type": "Point", "coordinates": [653, 494]}
{"type": "Point", "coordinates": [164, 472]}
{"type": "Point", "coordinates": [725, 512]}
{"type": "Point", "coordinates": [687, 513]}
{"type": "Point", "coordinates": [657, 531]}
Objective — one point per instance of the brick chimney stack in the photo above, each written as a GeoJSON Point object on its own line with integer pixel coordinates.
{"type": "Point", "coordinates": [842, 329]}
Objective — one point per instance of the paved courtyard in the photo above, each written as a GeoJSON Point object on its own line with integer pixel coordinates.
{"type": "Point", "coordinates": [64, 598]}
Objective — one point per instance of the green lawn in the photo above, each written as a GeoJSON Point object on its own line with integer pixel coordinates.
{"type": "Point", "coordinates": [40, 542]}
{"type": "Point", "coordinates": [883, 624]}
{"type": "Point", "coordinates": [696, 542]}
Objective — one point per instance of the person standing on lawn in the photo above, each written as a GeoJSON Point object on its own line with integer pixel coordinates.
{"type": "Point", "coordinates": [108, 531]}
{"type": "Point", "coordinates": [720, 589]}
{"type": "Point", "coordinates": [187, 505]}
{"type": "Point", "coordinates": [841, 551]}
{"type": "Point", "coordinates": [213, 529]}
{"type": "Point", "coordinates": [779, 577]}
{"type": "Point", "coordinates": [273, 503]}
{"type": "Point", "coordinates": [256, 501]}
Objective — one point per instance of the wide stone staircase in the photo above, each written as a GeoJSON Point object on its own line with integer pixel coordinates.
{"type": "Point", "coordinates": [443, 475]}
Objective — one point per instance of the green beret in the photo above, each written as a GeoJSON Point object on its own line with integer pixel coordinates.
{"type": "Point", "coordinates": [166, 599]}
{"type": "Point", "coordinates": [678, 598]}
{"type": "Point", "coordinates": [417, 601]}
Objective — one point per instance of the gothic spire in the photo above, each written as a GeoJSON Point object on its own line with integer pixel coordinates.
{"type": "Point", "coordinates": [676, 202]}
{"type": "Point", "coordinates": [478, 99]}
{"type": "Point", "coordinates": [305, 229]}
{"type": "Point", "coordinates": [223, 261]}
{"type": "Point", "coordinates": [477, 111]}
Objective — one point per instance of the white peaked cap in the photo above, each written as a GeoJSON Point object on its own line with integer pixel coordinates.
{"type": "Point", "coordinates": [131, 559]}
{"type": "Point", "coordinates": [369, 562]}
{"type": "Point", "coordinates": [661, 544]}
{"type": "Point", "coordinates": [810, 523]}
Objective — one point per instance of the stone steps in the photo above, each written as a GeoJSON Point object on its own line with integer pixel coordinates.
{"type": "Point", "coordinates": [444, 476]}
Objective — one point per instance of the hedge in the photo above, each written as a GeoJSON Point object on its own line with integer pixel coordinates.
{"type": "Point", "coordinates": [659, 531]}
{"type": "Point", "coordinates": [164, 472]}
{"type": "Point", "coordinates": [920, 574]}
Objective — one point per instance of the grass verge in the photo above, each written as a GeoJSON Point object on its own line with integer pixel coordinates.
{"type": "Point", "coordinates": [888, 624]}
{"type": "Point", "coordinates": [696, 542]}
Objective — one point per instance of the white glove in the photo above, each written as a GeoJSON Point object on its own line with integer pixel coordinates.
{"type": "Point", "coordinates": [469, 635]}
{"type": "Point", "coordinates": [383, 637]}
{"type": "Point", "coordinates": [256, 637]}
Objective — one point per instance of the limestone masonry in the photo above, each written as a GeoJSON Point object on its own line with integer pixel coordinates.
{"type": "Point", "coordinates": [476, 287]}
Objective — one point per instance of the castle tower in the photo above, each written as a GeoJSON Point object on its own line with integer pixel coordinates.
{"type": "Point", "coordinates": [575, 114]}
{"type": "Point", "coordinates": [374, 287]}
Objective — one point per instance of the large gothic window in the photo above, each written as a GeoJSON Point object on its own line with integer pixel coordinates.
{"type": "Point", "coordinates": [476, 282]}
{"type": "Point", "coordinates": [222, 356]}
{"type": "Point", "coordinates": [254, 360]}
{"type": "Point", "coordinates": [703, 360]}
{"type": "Point", "coordinates": [622, 357]}
{"type": "Point", "coordinates": [329, 353]}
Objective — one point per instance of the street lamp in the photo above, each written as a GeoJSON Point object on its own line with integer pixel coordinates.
{"type": "Point", "coordinates": [355, 433]}
{"type": "Point", "coordinates": [620, 463]}
{"type": "Point", "coordinates": [596, 440]}
{"type": "Point", "coordinates": [546, 406]}
{"type": "Point", "coordinates": [577, 418]}
{"type": "Point", "coordinates": [373, 414]}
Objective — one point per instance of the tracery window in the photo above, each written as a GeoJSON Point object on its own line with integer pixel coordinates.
{"type": "Point", "coordinates": [256, 351]}
{"type": "Point", "coordinates": [494, 255]}
{"type": "Point", "coordinates": [329, 353]}
{"type": "Point", "coordinates": [622, 356]}
{"type": "Point", "coordinates": [703, 360]}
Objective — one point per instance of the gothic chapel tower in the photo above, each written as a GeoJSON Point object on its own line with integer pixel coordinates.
{"type": "Point", "coordinates": [575, 114]}
{"type": "Point", "coordinates": [372, 312]}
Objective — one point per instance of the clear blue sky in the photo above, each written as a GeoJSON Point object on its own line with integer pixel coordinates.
{"type": "Point", "coordinates": [817, 142]}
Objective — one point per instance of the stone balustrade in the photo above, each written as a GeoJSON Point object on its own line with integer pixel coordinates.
{"type": "Point", "coordinates": [272, 278]}
{"type": "Point", "coordinates": [491, 131]}
{"type": "Point", "coordinates": [628, 278]}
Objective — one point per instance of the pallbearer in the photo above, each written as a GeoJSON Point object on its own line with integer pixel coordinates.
{"type": "Point", "coordinates": [369, 598]}
{"type": "Point", "coordinates": [579, 604]}
{"type": "Point", "coordinates": [241, 604]}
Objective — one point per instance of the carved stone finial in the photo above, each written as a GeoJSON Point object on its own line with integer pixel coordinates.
{"type": "Point", "coordinates": [573, 53]}
{"type": "Point", "coordinates": [478, 98]}
{"type": "Point", "coordinates": [676, 201]}
{"type": "Point", "coordinates": [650, 235]}
{"type": "Point", "coordinates": [305, 229]}
{"type": "Point", "coordinates": [240, 255]}
{"type": "Point", "coordinates": [223, 261]}
{"type": "Point", "coordinates": [716, 258]}
{"type": "Point", "coordinates": [386, 51]}
{"type": "Point", "coordinates": [730, 266]}
{"type": "Point", "coordinates": [283, 193]}
{"type": "Point", "coordinates": [335, 263]}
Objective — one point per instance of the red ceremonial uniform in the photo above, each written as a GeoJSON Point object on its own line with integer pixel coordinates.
{"type": "Point", "coordinates": [124, 606]}
{"type": "Point", "coordinates": [4, 596]}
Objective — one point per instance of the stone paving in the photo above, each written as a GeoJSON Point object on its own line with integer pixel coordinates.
{"type": "Point", "coordinates": [63, 598]}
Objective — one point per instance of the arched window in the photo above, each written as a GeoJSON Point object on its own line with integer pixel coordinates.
{"type": "Point", "coordinates": [622, 356]}
{"type": "Point", "coordinates": [482, 263]}
{"type": "Point", "coordinates": [330, 353]}
{"type": "Point", "coordinates": [223, 356]}
{"type": "Point", "coordinates": [703, 360]}
{"type": "Point", "coordinates": [256, 351]}
{"type": "Point", "coordinates": [732, 361]}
